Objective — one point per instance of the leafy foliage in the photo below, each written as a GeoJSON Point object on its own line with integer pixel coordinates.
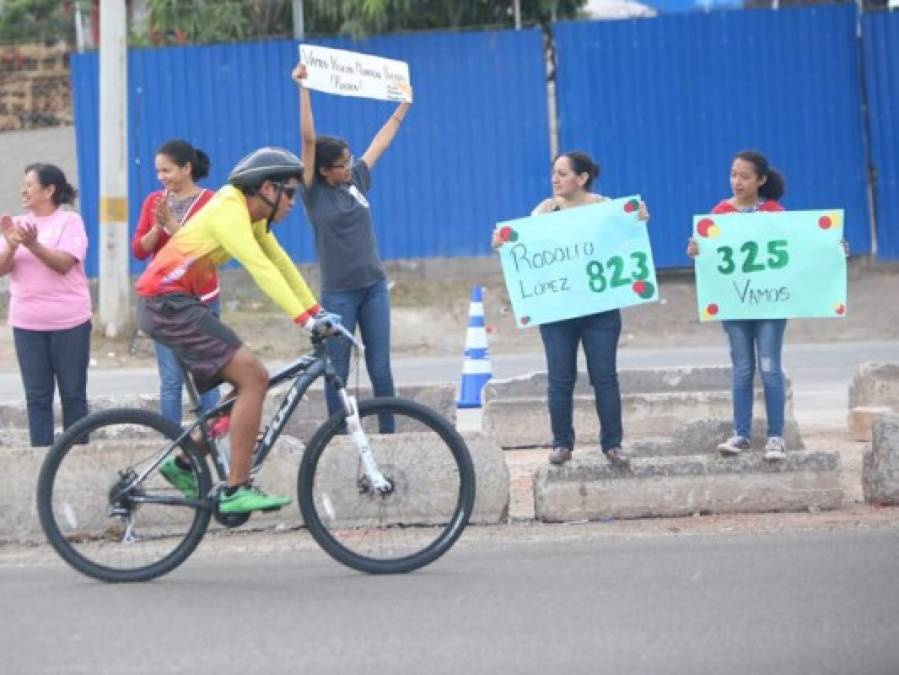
{"type": "Point", "coordinates": [179, 21]}
{"type": "Point", "coordinates": [35, 21]}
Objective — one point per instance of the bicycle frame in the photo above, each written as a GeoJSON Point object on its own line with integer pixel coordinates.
{"type": "Point", "coordinates": [304, 371]}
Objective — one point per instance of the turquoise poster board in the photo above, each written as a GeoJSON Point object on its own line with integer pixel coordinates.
{"type": "Point", "coordinates": [577, 261]}
{"type": "Point", "coordinates": [770, 265]}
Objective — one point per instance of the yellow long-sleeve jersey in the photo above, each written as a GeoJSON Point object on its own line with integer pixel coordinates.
{"type": "Point", "coordinates": [222, 230]}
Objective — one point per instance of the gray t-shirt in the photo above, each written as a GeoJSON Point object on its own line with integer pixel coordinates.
{"type": "Point", "coordinates": [344, 239]}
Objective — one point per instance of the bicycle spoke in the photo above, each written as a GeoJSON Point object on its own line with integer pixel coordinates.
{"type": "Point", "coordinates": [432, 485]}
{"type": "Point", "coordinates": [90, 499]}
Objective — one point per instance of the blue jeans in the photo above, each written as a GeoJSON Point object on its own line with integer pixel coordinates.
{"type": "Point", "coordinates": [368, 307]}
{"type": "Point", "coordinates": [599, 334]}
{"type": "Point", "coordinates": [171, 381]}
{"type": "Point", "coordinates": [48, 358]}
{"type": "Point", "coordinates": [762, 339]}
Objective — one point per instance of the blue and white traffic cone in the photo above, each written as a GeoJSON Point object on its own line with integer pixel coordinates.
{"type": "Point", "coordinates": [476, 368]}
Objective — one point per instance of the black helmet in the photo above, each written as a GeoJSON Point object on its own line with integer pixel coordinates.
{"type": "Point", "coordinates": [267, 163]}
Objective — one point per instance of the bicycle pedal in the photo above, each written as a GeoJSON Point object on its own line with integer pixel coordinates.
{"type": "Point", "coordinates": [271, 509]}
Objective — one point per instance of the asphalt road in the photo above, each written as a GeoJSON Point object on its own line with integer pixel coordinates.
{"type": "Point", "coordinates": [800, 602]}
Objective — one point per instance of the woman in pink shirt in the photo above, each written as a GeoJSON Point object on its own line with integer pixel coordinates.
{"type": "Point", "coordinates": [50, 306]}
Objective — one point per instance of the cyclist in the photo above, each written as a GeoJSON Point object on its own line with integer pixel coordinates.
{"type": "Point", "coordinates": [236, 223]}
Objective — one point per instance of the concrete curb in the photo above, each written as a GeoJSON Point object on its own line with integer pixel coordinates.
{"type": "Point", "coordinates": [701, 436]}
{"type": "Point", "coordinates": [18, 508]}
{"type": "Point", "coordinates": [654, 401]}
{"type": "Point", "coordinates": [591, 489]}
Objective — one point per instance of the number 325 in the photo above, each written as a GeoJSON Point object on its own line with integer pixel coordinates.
{"type": "Point", "coordinates": [777, 257]}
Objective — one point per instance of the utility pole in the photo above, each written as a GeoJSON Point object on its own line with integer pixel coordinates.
{"type": "Point", "coordinates": [299, 28]}
{"type": "Point", "coordinates": [115, 281]}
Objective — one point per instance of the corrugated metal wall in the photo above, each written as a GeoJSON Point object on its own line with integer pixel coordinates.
{"type": "Point", "coordinates": [86, 101]}
{"type": "Point", "coordinates": [665, 103]}
{"type": "Point", "coordinates": [662, 103]}
{"type": "Point", "coordinates": [472, 151]}
{"type": "Point", "coordinates": [881, 32]}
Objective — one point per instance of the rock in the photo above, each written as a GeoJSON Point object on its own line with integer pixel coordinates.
{"type": "Point", "coordinates": [861, 420]}
{"type": "Point", "coordinates": [880, 467]}
{"type": "Point", "coordinates": [875, 384]}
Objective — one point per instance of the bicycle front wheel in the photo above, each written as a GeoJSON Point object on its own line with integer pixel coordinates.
{"type": "Point", "coordinates": [429, 502]}
{"type": "Point", "coordinates": [97, 512]}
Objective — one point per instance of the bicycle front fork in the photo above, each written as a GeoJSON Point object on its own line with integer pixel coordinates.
{"type": "Point", "coordinates": [369, 466]}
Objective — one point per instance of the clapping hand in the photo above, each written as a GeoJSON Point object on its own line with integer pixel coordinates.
{"type": "Point", "coordinates": [164, 218]}
{"type": "Point", "coordinates": [10, 231]}
{"type": "Point", "coordinates": [27, 234]}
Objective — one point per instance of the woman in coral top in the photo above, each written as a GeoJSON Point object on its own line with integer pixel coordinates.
{"type": "Point", "coordinates": [756, 187]}
{"type": "Point", "coordinates": [49, 305]}
{"type": "Point", "coordinates": [179, 166]}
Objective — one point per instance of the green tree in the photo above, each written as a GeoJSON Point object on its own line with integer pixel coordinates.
{"type": "Point", "coordinates": [174, 21]}
{"type": "Point", "coordinates": [36, 21]}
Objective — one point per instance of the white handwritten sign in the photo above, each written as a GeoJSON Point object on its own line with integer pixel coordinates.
{"type": "Point", "coordinates": [337, 71]}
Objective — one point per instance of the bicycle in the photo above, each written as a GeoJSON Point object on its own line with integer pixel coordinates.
{"type": "Point", "coordinates": [379, 503]}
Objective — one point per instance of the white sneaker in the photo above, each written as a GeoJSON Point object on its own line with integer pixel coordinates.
{"type": "Point", "coordinates": [775, 450]}
{"type": "Point", "coordinates": [734, 445]}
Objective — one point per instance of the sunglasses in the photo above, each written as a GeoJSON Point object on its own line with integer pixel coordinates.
{"type": "Point", "coordinates": [289, 191]}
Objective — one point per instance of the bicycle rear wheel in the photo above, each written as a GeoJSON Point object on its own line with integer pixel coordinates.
{"type": "Point", "coordinates": [99, 517]}
{"type": "Point", "coordinates": [432, 491]}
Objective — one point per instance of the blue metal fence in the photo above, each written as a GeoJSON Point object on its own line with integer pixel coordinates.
{"type": "Point", "coordinates": [662, 103]}
{"type": "Point", "coordinates": [472, 151]}
{"type": "Point", "coordinates": [665, 103]}
{"type": "Point", "coordinates": [881, 32]}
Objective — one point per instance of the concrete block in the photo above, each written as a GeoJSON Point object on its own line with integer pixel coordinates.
{"type": "Point", "coordinates": [701, 436]}
{"type": "Point", "coordinates": [655, 402]}
{"type": "Point", "coordinates": [592, 489]}
{"type": "Point", "coordinates": [307, 417]}
{"type": "Point", "coordinates": [875, 384]}
{"type": "Point", "coordinates": [860, 420]}
{"type": "Point", "coordinates": [312, 410]}
{"type": "Point", "coordinates": [631, 380]}
{"type": "Point", "coordinates": [521, 422]}
{"type": "Point", "coordinates": [428, 493]}
{"type": "Point", "coordinates": [880, 465]}
{"type": "Point", "coordinates": [279, 474]}
{"type": "Point", "coordinates": [94, 473]}
{"type": "Point", "coordinates": [18, 484]}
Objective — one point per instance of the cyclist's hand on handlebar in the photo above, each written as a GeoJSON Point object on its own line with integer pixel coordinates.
{"type": "Point", "coordinates": [324, 323]}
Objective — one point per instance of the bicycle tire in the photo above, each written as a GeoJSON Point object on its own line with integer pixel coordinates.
{"type": "Point", "coordinates": [325, 487]}
{"type": "Point", "coordinates": [80, 525]}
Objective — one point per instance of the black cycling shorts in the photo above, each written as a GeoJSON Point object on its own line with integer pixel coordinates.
{"type": "Point", "coordinates": [188, 327]}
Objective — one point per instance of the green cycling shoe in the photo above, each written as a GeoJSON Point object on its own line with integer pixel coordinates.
{"type": "Point", "coordinates": [250, 498]}
{"type": "Point", "coordinates": [183, 479]}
